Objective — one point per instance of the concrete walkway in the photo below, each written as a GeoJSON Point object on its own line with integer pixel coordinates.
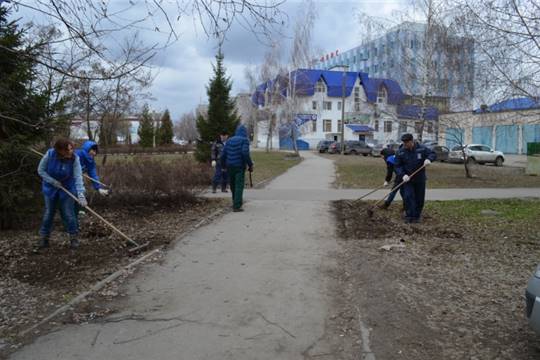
{"type": "Point", "coordinates": [249, 286]}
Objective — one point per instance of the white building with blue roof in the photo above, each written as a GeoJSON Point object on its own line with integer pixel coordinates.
{"type": "Point", "coordinates": [312, 100]}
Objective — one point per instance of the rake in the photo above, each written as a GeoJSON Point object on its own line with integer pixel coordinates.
{"type": "Point", "coordinates": [137, 247]}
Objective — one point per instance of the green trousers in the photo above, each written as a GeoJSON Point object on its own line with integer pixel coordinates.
{"type": "Point", "coordinates": [236, 182]}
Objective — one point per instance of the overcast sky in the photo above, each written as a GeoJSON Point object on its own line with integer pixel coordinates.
{"type": "Point", "coordinates": [183, 69]}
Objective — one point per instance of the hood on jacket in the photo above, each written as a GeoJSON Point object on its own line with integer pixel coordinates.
{"type": "Point", "coordinates": [241, 131]}
{"type": "Point", "coordinates": [88, 144]}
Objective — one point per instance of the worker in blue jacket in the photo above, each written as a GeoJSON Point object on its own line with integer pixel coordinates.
{"type": "Point", "coordinates": [390, 169]}
{"type": "Point", "coordinates": [86, 154]}
{"type": "Point", "coordinates": [410, 157]}
{"type": "Point", "coordinates": [234, 159]}
{"type": "Point", "coordinates": [60, 167]}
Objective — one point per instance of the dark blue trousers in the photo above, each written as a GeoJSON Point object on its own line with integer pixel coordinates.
{"type": "Point", "coordinates": [414, 193]}
{"type": "Point", "coordinates": [220, 178]}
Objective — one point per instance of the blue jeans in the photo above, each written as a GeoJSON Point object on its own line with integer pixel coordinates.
{"type": "Point", "coordinates": [67, 212]}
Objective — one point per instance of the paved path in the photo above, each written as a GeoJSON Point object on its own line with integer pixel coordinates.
{"type": "Point", "coordinates": [249, 286]}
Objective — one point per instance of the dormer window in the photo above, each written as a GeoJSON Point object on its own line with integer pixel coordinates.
{"type": "Point", "coordinates": [320, 88]}
{"type": "Point", "coordinates": [382, 96]}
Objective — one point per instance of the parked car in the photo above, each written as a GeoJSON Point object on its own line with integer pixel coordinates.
{"type": "Point", "coordinates": [476, 153]}
{"type": "Point", "coordinates": [532, 301]}
{"type": "Point", "coordinates": [430, 143]}
{"type": "Point", "coordinates": [376, 150]}
{"type": "Point", "coordinates": [334, 148]}
{"type": "Point", "coordinates": [442, 152]}
{"type": "Point", "coordinates": [353, 147]}
{"type": "Point", "coordinates": [323, 145]}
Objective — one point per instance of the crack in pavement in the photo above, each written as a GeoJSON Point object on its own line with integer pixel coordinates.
{"type": "Point", "coordinates": [149, 334]}
{"type": "Point", "coordinates": [276, 325]}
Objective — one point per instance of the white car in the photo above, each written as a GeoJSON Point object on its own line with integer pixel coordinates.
{"type": "Point", "coordinates": [476, 153]}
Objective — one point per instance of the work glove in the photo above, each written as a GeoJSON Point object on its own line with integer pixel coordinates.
{"type": "Point", "coordinates": [214, 163]}
{"type": "Point", "coordinates": [82, 200]}
{"type": "Point", "coordinates": [427, 162]}
{"type": "Point", "coordinates": [406, 178]}
{"type": "Point", "coordinates": [104, 192]}
{"type": "Point", "coordinates": [385, 183]}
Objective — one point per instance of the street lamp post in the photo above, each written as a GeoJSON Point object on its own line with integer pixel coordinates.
{"type": "Point", "coordinates": [345, 67]}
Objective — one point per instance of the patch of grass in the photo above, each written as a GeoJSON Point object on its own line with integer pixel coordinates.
{"type": "Point", "coordinates": [518, 211]}
{"type": "Point", "coordinates": [271, 164]}
{"type": "Point", "coordinates": [368, 172]}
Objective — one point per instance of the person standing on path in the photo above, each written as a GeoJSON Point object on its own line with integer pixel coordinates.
{"type": "Point", "coordinates": [60, 166]}
{"type": "Point", "coordinates": [220, 177]}
{"type": "Point", "coordinates": [410, 157]}
{"type": "Point", "coordinates": [234, 160]}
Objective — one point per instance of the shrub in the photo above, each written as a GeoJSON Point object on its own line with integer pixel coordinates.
{"type": "Point", "coordinates": [147, 181]}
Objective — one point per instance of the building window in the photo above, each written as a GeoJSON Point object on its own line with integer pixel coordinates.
{"type": "Point", "coordinates": [320, 86]}
{"type": "Point", "coordinates": [402, 127]}
{"type": "Point", "coordinates": [356, 98]}
{"type": "Point", "coordinates": [339, 125]}
{"type": "Point", "coordinates": [314, 105]}
{"type": "Point", "coordinates": [376, 125]}
{"type": "Point", "coordinates": [314, 126]}
{"type": "Point", "coordinates": [382, 95]}
{"type": "Point", "coordinates": [418, 127]}
{"type": "Point", "coordinates": [339, 105]}
{"type": "Point", "coordinates": [430, 127]}
{"type": "Point", "coordinates": [387, 126]}
{"type": "Point", "coordinates": [327, 105]}
{"type": "Point", "coordinates": [327, 125]}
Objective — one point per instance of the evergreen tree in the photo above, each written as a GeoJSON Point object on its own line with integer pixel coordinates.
{"type": "Point", "coordinates": [26, 119]}
{"type": "Point", "coordinates": [146, 128]}
{"type": "Point", "coordinates": [222, 115]}
{"type": "Point", "coordinates": [166, 133]}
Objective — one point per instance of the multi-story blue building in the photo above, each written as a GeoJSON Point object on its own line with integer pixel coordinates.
{"type": "Point", "coordinates": [400, 55]}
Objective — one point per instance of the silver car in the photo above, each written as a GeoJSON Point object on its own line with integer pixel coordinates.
{"type": "Point", "coordinates": [532, 299]}
{"type": "Point", "coordinates": [476, 153]}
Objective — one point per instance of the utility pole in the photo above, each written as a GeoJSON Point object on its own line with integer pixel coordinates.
{"type": "Point", "coordinates": [344, 77]}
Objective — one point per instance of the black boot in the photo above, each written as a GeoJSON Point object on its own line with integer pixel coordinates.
{"type": "Point", "coordinates": [214, 188]}
{"type": "Point", "coordinates": [224, 189]}
{"type": "Point", "coordinates": [43, 242]}
{"type": "Point", "coordinates": [74, 242]}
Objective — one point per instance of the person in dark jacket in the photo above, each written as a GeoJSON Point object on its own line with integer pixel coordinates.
{"type": "Point", "coordinates": [220, 176]}
{"type": "Point", "coordinates": [390, 161]}
{"type": "Point", "coordinates": [409, 158]}
{"type": "Point", "coordinates": [387, 151]}
{"type": "Point", "coordinates": [234, 159]}
{"type": "Point", "coordinates": [60, 167]}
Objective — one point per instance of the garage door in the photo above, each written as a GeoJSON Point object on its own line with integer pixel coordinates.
{"type": "Point", "coordinates": [507, 139]}
{"type": "Point", "coordinates": [482, 135]}
{"type": "Point", "coordinates": [454, 137]}
{"type": "Point", "coordinates": [531, 133]}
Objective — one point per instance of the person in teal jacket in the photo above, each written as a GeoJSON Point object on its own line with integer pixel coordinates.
{"type": "Point", "coordinates": [60, 167]}
{"type": "Point", "coordinates": [234, 159]}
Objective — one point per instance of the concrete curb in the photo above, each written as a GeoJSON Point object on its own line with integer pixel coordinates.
{"type": "Point", "coordinates": [100, 284]}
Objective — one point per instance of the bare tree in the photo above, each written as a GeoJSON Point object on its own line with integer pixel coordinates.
{"type": "Point", "coordinates": [186, 128]}
{"type": "Point", "coordinates": [91, 24]}
{"type": "Point", "coordinates": [507, 46]}
{"type": "Point", "coordinates": [425, 49]}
